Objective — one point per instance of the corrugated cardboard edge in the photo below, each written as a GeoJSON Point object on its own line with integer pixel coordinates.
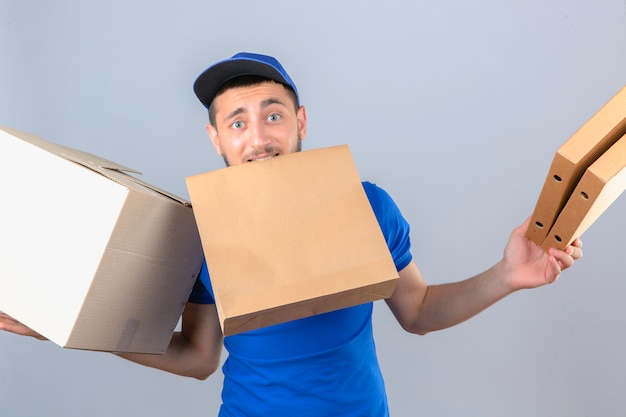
{"type": "Point", "coordinates": [571, 160]}
{"type": "Point", "coordinates": [601, 184]}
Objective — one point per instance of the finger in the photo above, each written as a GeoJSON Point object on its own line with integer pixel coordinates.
{"type": "Point", "coordinates": [6, 320]}
{"type": "Point", "coordinates": [575, 249]}
{"type": "Point", "coordinates": [554, 270]}
{"type": "Point", "coordinates": [563, 258]}
{"type": "Point", "coordinates": [11, 325]}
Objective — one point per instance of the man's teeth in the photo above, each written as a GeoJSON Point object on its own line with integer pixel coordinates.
{"type": "Point", "coordinates": [265, 158]}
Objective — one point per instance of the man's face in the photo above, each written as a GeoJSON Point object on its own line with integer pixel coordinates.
{"type": "Point", "coordinates": [256, 123]}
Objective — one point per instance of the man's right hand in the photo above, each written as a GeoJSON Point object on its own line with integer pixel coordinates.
{"type": "Point", "coordinates": [9, 324]}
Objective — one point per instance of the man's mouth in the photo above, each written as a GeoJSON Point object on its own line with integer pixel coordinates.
{"type": "Point", "coordinates": [262, 158]}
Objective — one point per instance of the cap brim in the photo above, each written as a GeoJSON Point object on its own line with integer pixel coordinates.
{"type": "Point", "coordinates": [211, 80]}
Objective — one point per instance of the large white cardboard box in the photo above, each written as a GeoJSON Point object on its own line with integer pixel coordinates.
{"type": "Point", "coordinates": [91, 257]}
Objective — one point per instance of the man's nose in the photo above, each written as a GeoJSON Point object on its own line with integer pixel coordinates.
{"type": "Point", "coordinates": [258, 135]}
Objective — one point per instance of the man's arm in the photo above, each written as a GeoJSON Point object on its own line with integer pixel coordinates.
{"type": "Point", "coordinates": [420, 308]}
{"type": "Point", "coordinates": [194, 351]}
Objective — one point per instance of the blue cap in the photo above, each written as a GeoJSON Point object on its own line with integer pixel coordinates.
{"type": "Point", "coordinates": [211, 80]}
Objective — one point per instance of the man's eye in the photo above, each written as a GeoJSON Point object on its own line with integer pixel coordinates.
{"type": "Point", "coordinates": [237, 125]}
{"type": "Point", "coordinates": [273, 117]}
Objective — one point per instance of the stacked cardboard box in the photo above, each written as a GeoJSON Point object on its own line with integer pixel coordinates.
{"type": "Point", "coordinates": [587, 174]}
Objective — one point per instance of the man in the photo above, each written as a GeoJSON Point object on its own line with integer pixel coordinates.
{"type": "Point", "coordinates": [323, 365]}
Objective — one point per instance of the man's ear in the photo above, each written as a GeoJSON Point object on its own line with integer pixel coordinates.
{"type": "Point", "coordinates": [215, 140]}
{"type": "Point", "coordinates": [301, 115]}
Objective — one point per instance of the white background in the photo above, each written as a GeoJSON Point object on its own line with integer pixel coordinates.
{"type": "Point", "coordinates": [455, 107]}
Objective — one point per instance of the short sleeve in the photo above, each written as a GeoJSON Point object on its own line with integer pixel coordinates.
{"type": "Point", "coordinates": [202, 292]}
{"type": "Point", "coordinates": [394, 226]}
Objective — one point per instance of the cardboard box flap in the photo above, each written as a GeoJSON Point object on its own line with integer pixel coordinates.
{"type": "Point", "coordinates": [160, 191]}
{"type": "Point", "coordinates": [116, 172]}
{"type": "Point", "coordinates": [89, 159]}
{"type": "Point", "coordinates": [66, 152]}
{"type": "Point", "coordinates": [109, 169]}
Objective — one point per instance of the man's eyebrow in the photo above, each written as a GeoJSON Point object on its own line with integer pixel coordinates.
{"type": "Point", "coordinates": [236, 112]}
{"type": "Point", "coordinates": [265, 103]}
{"type": "Point", "coordinates": [272, 100]}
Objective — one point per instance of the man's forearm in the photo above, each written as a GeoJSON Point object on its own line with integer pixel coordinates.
{"type": "Point", "coordinates": [447, 305]}
{"type": "Point", "coordinates": [195, 351]}
{"type": "Point", "coordinates": [181, 358]}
